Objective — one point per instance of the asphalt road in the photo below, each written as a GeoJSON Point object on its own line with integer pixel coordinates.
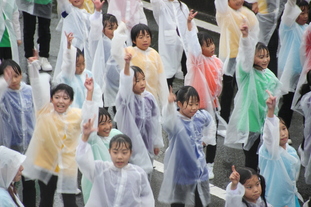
{"type": "Point", "coordinates": [225, 157]}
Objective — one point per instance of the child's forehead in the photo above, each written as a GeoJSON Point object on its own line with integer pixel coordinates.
{"type": "Point", "coordinates": [262, 51]}
{"type": "Point", "coordinates": [254, 179]}
{"type": "Point", "coordinates": [104, 118]}
{"type": "Point", "coordinates": [143, 33]}
{"type": "Point", "coordinates": [120, 146]}
{"type": "Point", "coordinates": [61, 93]}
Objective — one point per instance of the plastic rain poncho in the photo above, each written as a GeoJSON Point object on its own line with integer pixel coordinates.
{"type": "Point", "coordinates": [105, 69]}
{"type": "Point", "coordinates": [112, 186]}
{"type": "Point", "coordinates": [249, 110]}
{"type": "Point", "coordinates": [40, 8]}
{"type": "Point", "coordinates": [53, 145]}
{"type": "Point", "coordinates": [149, 61]}
{"type": "Point", "coordinates": [138, 117]}
{"type": "Point", "coordinates": [68, 76]}
{"type": "Point", "coordinates": [280, 167]}
{"type": "Point", "coordinates": [305, 57]}
{"type": "Point", "coordinates": [234, 198]}
{"type": "Point", "coordinates": [204, 74]}
{"type": "Point", "coordinates": [77, 22]}
{"type": "Point", "coordinates": [305, 157]}
{"type": "Point", "coordinates": [171, 17]}
{"type": "Point", "coordinates": [10, 162]}
{"type": "Point", "coordinates": [100, 150]}
{"type": "Point", "coordinates": [9, 18]}
{"type": "Point", "coordinates": [290, 32]}
{"type": "Point", "coordinates": [185, 166]}
{"type": "Point", "coordinates": [268, 15]}
{"type": "Point", "coordinates": [229, 21]}
{"type": "Point", "coordinates": [17, 116]}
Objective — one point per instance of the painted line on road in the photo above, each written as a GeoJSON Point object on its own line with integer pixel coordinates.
{"type": "Point", "coordinates": [214, 190]}
{"type": "Point", "coordinates": [198, 22]}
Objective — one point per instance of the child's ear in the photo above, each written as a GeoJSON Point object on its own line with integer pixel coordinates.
{"type": "Point", "coordinates": [134, 41]}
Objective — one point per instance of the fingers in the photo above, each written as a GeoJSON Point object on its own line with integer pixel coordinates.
{"type": "Point", "coordinates": [171, 89]}
{"type": "Point", "coordinates": [269, 93]}
{"type": "Point", "coordinates": [233, 168]}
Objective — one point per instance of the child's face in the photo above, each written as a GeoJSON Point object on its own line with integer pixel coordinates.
{"type": "Point", "coordinates": [18, 175]}
{"type": "Point", "coordinates": [208, 51]}
{"type": "Point", "coordinates": [77, 3]}
{"type": "Point", "coordinates": [235, 4]}
{"type": "Point", "coordinates": [16, 79]}
{"type": "Point", "coordinates": [143, 41]}
{"type": "Point", "coordinates": [302, 19]}
{"type": "Point", "coordinates": [104, 126]}
{"type": "Point", "coordinates": [283, 135]}
{"type": "Point", "coordinates": [109, 29]}
{"type": "Point", "coordinates": [252, 189]}
{"type": "Point", "coordinates": [80, 65]}
{"type": "Point", "coordinates": [61, 101]}
{"type": "Point", "coordinates": [120, 154]}
{"type": "Point", "coordinates": [139, 84]}
{"type": "Point", "coordinates": [190, 108]}
{"type": "Point", "coordinates": [262, 59]}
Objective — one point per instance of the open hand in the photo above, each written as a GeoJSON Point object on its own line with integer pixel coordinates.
{"type": "Point", "coordinates": [98, 4]}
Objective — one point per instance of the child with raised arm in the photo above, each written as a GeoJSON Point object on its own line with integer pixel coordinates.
{"type": "Point", "coordinates": [247, 188]}
{"type": "Point", "coordinates": [185, 179]}
{"type": "Point", "coordinates": [253, 78]}
{"type": "Point", "coordinates": [10, 33]}
{"type": "Point", "coordinates": [292, 27]}
{"type": "Point", "coordinates": [278, 162]}
{"type": "Point", "coordinates": [74, 73]}
{"type": "Point", "coordinates": [171, 17]}
{"type": "Point", "coordinates": [116, 183]}
{"type": "Point", "coordinates": [105, 69]}
{"type": "Point", "coordinates": [16, 105]}
{"type": "Point", "coordinates": [138, 116]}
{"type": "Point", "coordinates": [205, 75]}
{"type": "Point", "coordinates": [99, 142]}
{"type": "Point", "coordinates": [230, 14]}
{"type": "Point", "coordinates": [144, 57]}
{"type": "Point", "coordinates": [51, 152]}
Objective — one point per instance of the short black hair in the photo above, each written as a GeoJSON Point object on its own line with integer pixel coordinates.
{"type": "Point", "coordinates": [63, 87]}
{"type": "Point", "coordinates": [120, 139]}
{"type": "Point", "coordinates": [103, 113]}
{"type": "Point", "coordinates": [136, 31]}
{"type": "Point", "coordinates": [13, 64]}
{"type": "Point", "coordinates": [109, 19]}
{"type": "Point", "coordinates": [185, 93]}
{"type": "Point", "coordinates": [205, 37]}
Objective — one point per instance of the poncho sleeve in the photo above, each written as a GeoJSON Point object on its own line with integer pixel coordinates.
{"type": "Point", "coordinates": [271, 136]}
{"type": "Point", "coordinates": [234, 197]}
{"type": "Point", "coordinates": [222, 6]}
{"type": "Point", "coordinates": [291, 12]}
{"type": "Point", "coordinates": [3, 86]}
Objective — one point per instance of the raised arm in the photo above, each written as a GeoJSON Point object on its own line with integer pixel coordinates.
{"type": "Point", "coordinates": [69, 62]}
{"type": "Point", "coordinates": [194, 47]}
{"type": "Point", "coordinates": [117, 44]}
{"type": "Point", "coordinates": [5, 80]}
{"type": "Point", "coordinates": [291, 12]}
{"type": "Point", "coordinates": [39, 83]}
{"type": "Point", "coordinates": [222, 6]}
{"type": "Point", "coordinates": [169, 113]}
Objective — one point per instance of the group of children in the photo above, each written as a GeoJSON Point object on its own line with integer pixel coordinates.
{"type": "Point", "coordinates": [105, 60]}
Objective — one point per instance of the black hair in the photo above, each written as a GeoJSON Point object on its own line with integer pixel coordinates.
{"type": "Point", "coordinates": [16, 68]}
{"type": "Point", "coordinates": [136, 31]}
{"type": "Point", "coordinates": [137, 70]}
{"type": "Point", "coordinates": [121, 139]}
{"type": "Point", "coordinates": [79, 53]}
{"type": "Point", "coordinates": [109, 19]}
{"type": "Point", "coordinates": [63, 87]}
{"type": "Point", "coordinates": [245, 174]}
{"type": "Point", "coordinates": [205, 37]}
{"type": "Point", "coordinates": [102, 113]}
{"type": "Point", "coordinates": [305, 88]}
{"type": "Point", "coordinates": [260, 47]}
{"type": "Point", "coordinates": [185, 93]}
{"type": "Point", "coordinates": [302, 4]}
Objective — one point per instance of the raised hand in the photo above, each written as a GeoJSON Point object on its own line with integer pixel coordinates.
{"type": "Point", "coordinates": [98, 4]}
{"type": "Point", "coordinates": [89, 83]}
{"type": "Point", "coordinates": [69, 37]}
{"type": "Point", "coordinates": [88, 129]}
{"type": "Point", "coordinates": [271, 103]}
{"type": "Point", "coordinates": [191, 16]}
{"type": "Point", "coordinates": [244, 28]}
{"type": "Point", "coordinates": [8, 74]}
{"type": "Point", "coordinates": [127, 59]}
{"type": "Point", "coordinates": [234, 178]}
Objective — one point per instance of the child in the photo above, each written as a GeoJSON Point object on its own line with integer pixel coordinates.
{"type": "Point", "coordinates": [138, 116]}
{"type": "Point", "coordinates": [304, 103]}
{"type": "Point", "coordinates": [17, 107]}
{"type": "Point", "coordinates": [116, 183]}
{"type": "Point", "coordinates": [51, 152]}
{"type": "Point", "coordinates": [185, 180]}
{"type": "Point", "coordinates": [10, 34]}
{"type": "Point", "coordinates": [253, 78]}
{"type": "Point", "coordinates": [230, 14]}
{"type": "Point", "coordinates": [247, 188]}
{"type": "Point", "coordinates": [144, 57]}
{"type": "Point", "coordinates": [171, 17]}
{"type": "Point", "coordinates": [38, 11]}
{"type": "Point", "coordinates": [10, 172]}
{"type": "Point", "coordinates": [105, 69]}
{"type": "Point", "coordinates": [205, 75]}
{"type": "Point", "coordinates": [291, 31]}
{"type": "Point", "coordinates": [278, 162]}
{"type": "Point", "coordinates": [100, 144]}
{"type": "Point", "coordinates": [74, 74]}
